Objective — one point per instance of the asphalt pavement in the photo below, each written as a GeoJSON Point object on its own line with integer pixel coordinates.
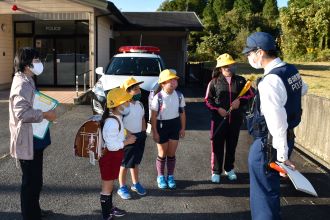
{"type": "Point", "coordinates": [72, 186]}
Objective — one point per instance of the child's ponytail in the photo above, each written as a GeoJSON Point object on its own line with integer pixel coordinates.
{"type": "Point", "coordinates": [105, 115]}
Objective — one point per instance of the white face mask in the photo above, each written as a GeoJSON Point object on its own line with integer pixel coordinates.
{"type": "Point", "coordinates": [37, 68]}
{"type": "Point", "coordinates": [124, 110]}
{"type": "Point", "coordinates": [251, 58]}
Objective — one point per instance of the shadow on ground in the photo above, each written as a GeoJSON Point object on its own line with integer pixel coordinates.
{"type": "Point", "coordinates": [288, 212]}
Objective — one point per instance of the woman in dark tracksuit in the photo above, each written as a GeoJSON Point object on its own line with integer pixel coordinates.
{"type": "Point", "coordinates": [220, 96]}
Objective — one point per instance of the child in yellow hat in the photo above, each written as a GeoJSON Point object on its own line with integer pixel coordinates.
{"type": "Point", "coordinates": [168, 120]}
{"type": "Point", "coordinates": [135, 124]}
{"type": "Point", "coordinates": [222, 94]}
{"type": "Point", "coordinates": [114, 140]}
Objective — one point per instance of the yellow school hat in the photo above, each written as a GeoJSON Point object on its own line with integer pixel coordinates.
{"type": "Point", "coordinates": [224, 60]}
{"type": "Point", "coordinates": [117, 96]}
{"type": "Point", "coordinates": [130, 82]}
{"type": "Point", "coordinates": [167, 74]}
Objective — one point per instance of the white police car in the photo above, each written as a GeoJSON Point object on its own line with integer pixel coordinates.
{"type": "Point", "coordinates": [142, 62]}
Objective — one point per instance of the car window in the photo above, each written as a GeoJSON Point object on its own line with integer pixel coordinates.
{"type": "Point", "coordinates": [138, 66]}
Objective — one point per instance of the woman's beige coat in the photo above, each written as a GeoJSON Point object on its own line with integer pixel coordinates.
{"type": "Point", "coordinates": [21, 116]}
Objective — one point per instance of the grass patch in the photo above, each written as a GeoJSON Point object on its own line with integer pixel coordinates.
{"type": "Point", "coordinates": [316, 75]}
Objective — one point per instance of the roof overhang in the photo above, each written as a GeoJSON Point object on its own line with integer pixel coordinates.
{"type": "Point", "coordinates": [105, 8]}
{"type": "Point", "coordinates": [161, 21]}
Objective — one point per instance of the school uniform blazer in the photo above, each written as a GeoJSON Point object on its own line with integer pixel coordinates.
{"type": "Point", "coordinates": [21, 115]}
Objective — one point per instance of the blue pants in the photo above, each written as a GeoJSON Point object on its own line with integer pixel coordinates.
{"type": "Point", "coordinates": [264, 185]}
{"type": "Point", "coordinates": [290, 147]}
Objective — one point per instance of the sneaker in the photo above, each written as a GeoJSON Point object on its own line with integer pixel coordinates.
{"type": "Point", "coordinates": [124, 193]}
{"type": "Point", "coordinates": [117, 212]}
{"type": "Point", "coordinates": [231, 175]}
{"type": "Point", "coordinates": [171, 182]}
{"type": "Point", "coordinates": [138, 188]}
{"type": "Point", "coordinates": [161, 182]}
{"type": "Point", "coordinates": [215, 178]}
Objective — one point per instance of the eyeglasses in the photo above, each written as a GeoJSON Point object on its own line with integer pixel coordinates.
{"type": "Point", "coordinates": [252, 51]}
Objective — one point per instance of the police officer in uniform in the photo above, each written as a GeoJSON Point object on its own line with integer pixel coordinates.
{"type": "Point", "coordinates": [279, 97]}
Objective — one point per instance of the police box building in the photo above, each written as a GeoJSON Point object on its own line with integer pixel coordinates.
{"type": "Point", "coordinates": [74, 37]}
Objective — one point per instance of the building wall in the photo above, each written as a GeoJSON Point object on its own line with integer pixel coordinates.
{"type": "Point", "coordinates": [41, 6]}
{"type": "Point", "coordinates": [6, 51]}
{"type": "Point", "coordinates": [50, 10]}
{"type": "Point", "coordinates": [104, 34]}
{"type": "Point", "coordinates": [172, 47]}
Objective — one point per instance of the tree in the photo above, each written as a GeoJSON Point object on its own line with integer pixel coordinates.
{"type": "Point", "coordinates": [197, 6]}
{"type": "Point", "coordinates": [300, 3]}
{"type": "Point", "coordinates": [220, 7]}
{"type": "Point", "coordinates": [244, 6]}
{"type": "Point", "coordinates": [306, 30]}
{"type": "Point", "coordinates": [183, 5]}
{"type": "Point", "coordinates": [270, 14]}
{"type": "Point", "coordinates": [270, 10]}
{"type": "Point", "coordinates": [168, 5]}
{"type": "Point", "coordinates": [210, 19]}
{"type": "Point", "coordinates": [257, 5]}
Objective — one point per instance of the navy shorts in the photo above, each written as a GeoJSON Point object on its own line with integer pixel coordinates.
{"type": "Point", "coordinates": [169, 130]}
{"type": "Point", "coordinates": [133, 153]}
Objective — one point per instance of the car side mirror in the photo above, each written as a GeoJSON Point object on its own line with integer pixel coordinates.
{"type": "Point", "coordinates": [99, 71]}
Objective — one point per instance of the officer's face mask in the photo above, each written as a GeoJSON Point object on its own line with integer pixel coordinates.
{"type": "Point", "coordinates": [124, 110]}
{"type": "Point", "coordinates": [255, 59]}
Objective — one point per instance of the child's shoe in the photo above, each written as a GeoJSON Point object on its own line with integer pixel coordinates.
{"type": "Point", "coordinates": [171, 182]}
{"type": "Point", "coordinates": [161, 182]}
{"type": "Point", "coordinates": [124, 193]}
{"type": "Point", "coordinates": [117, 212]}
{"type": "Point", "coordinates": [215, 178]}
{"type": "Point", "coordinates": [138, 188]}
{"type": "Point", "coordinates": [231, 175]}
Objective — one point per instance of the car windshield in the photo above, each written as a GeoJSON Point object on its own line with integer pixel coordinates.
{"type": "Point", "coordinates": [137, 66]}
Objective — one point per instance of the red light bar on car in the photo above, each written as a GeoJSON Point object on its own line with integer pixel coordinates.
{"type": "Point", "coordinates": [139, 49]}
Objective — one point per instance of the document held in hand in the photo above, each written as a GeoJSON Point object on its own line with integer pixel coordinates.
{"type": "Point", "coordinates": [299, 181]}
{"type": "Point", "coordinates": [44, 103]}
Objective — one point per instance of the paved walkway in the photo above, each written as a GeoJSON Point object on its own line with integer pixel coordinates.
{"type": "Point", "coordinates": [72, 185]}
{"type": "Point", "coordinates": [63, 95]}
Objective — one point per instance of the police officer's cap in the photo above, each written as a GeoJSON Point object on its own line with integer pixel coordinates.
{"type": "Point", "coordinates": [259, 40]}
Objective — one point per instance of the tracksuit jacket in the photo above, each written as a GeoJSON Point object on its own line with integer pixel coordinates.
{"type": "Point", "coordinates": [221, 94]}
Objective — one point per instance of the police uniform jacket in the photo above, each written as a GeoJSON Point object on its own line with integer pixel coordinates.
{"type": "Point", "coordinates": [279, 100]}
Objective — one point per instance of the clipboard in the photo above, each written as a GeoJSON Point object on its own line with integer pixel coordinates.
{"type": "Point", "coordinates": [44, 103]}
{"type": "Point", "coordinates": [299, 181]}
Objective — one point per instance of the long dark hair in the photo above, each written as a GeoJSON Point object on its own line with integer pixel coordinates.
{"type": "Point", "coordinates": [24, 57]}
{"type": "Point", "coordinates": [105, 115]}
{"type": "Point", "coordinates": [216, 72]}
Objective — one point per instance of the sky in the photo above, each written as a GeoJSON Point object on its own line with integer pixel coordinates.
{"type": "Point", "coordinates": [152, 5]}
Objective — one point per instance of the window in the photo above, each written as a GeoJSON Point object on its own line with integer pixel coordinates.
{"type": "Point", "coordinates": [24, 28]}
